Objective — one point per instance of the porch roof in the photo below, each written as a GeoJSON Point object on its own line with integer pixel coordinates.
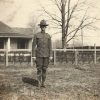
{"type": "Point", "coordinates": [15, 32]}
{"type": "Point", "coordinates": [14, 35]}
{"type": "Point", "coordinates": [4, 28]}
{"type": "Point", "coordinates": [20, 30]}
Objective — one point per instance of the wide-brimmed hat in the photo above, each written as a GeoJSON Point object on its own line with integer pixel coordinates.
{"type": "Point", "coordinates": [43, 23]}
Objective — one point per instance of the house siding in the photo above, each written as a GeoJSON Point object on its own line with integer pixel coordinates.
{"type": "Point", "coordinates": [13, 43]}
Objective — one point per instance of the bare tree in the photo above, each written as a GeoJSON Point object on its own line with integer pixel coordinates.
{"type": "Point", "coordinates": [69, 13]}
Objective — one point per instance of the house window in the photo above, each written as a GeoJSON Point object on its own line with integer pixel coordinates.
{"type": "Point", "coordinates": [22, 44]}
{"type": "Point", "coordinates": [1, 44]}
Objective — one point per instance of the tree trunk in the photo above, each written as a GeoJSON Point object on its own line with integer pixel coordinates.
{"type": "Point", "coordinates": [63, 24]}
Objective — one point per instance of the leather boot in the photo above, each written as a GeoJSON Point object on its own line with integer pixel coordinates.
{"type": "Point", "coordinates": [39, 76]}
{"type": "Point", "coordinates": [43, 77]}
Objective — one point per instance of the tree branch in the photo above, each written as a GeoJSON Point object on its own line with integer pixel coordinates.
{"type": "Point", "coordinates": [56, 33]}
{"type": "Point", "coordinates": [56, 23]}
{"type": "Point", "coordinates": [70, 16]}
{"type": "Point", "coordinates": [55, 19]}
{"type": "Point", "coordinates": [57, 4]}
{"type": "Point", "coordinates": [77, 29]}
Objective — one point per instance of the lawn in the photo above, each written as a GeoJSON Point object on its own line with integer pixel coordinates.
{"type": "Point", "coordinates": [64, 82]}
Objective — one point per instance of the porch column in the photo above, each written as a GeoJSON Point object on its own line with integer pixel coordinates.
{"type": "Point", "coordinates": [31, 51]}
{"type": "Point", "coordinates": [8, 44]}
{"type": "Point", "coordinates": [7, 50]}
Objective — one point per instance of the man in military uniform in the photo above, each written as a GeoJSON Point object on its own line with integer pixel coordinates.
{"type": "Point", "coordinates": [42, 52]}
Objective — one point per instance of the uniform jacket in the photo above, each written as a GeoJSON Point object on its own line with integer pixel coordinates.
{"type": "Point", "coordinates": [41, 46]}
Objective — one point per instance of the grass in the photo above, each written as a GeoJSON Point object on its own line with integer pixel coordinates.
{"type": "Point", "coordinates": [64, 82]}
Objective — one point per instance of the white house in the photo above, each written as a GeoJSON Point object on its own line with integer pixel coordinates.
{"type": "Point", "coordinates": [15, 40]}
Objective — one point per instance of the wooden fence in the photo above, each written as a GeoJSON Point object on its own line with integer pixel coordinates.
{"type": "Point", "coordinates": [75, 56]}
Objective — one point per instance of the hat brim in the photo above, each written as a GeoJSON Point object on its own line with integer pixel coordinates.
{"type": "Point", "coordinates": [42, 25]}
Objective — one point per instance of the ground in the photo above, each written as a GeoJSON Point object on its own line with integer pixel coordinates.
{"type": "Point", "coordinates": [64, 82]}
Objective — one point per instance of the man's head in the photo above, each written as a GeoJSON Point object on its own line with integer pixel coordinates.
{"type": "Point", "coordinates": [43, 25]}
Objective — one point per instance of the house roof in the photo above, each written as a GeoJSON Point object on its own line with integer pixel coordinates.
{"type": "Point", "coordinates": [23, 31]}
{"type": "Point", "coordinates": [5, 28]}
{"type": "Point", "coordinates": [6, 31]}
{"type": "Point", "coordinates": [15, 35]}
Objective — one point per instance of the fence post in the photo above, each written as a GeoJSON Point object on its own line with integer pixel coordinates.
{"type": "Point", "coordinates": [7, 50]}
{"type": "Point", "coordinates": [76, 59]}
{"type": "Point", "coordinates": [31, 59]}
{"type": "Point", "coordinates": [95, 54]}
{"type": "Point", "coordinates": [54, 56]}
{"type": "Point", "coordinates": [6, 57]}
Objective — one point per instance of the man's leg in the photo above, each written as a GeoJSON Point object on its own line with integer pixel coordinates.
{"type": "Point", "coordinates": [39, 74]}
{"type": "Point", "coordinates": [43, 76]}
{"type": "Point", "coordinates": [44, 69]}
{"type": "Point", "coordinates": [39, 63]}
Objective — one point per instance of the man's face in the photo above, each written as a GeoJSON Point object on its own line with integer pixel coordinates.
{"type": "Point", "coordinates": [43, 28]}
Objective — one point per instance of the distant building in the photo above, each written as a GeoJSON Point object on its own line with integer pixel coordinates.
{"type": "Point", "coordinates": [15, 39]}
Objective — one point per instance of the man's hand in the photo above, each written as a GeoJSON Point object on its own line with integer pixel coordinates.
{"type": "Point", "coordinates": [50, 58]}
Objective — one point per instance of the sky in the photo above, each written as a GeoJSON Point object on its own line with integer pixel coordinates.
{"type": "Point", "coordinates": [18, 13]}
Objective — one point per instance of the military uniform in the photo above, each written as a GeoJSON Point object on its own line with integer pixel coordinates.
{"type": "Point", "coordinates": [42, 50]}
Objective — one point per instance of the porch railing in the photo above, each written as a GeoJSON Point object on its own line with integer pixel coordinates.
{"type": "Point", "coordinates": [14, 56]}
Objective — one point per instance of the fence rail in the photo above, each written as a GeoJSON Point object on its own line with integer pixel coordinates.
{"type": "Point", "coordinates": [75, 56]}
{"type": "Point", "coordinates": [15, 56]}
